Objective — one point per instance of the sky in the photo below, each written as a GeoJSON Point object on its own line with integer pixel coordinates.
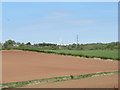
{"type": "Point", "coordinates": [60, 22]}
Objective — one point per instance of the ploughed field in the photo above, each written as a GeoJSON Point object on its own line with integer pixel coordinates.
{"type": "Point", "coordinates": [25, 65]}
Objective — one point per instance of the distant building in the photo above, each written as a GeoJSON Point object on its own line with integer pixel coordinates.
{"type": "Point", "coordinates": [15, 45]}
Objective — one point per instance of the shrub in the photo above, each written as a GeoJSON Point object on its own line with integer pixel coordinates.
{"type": "Point", "coordinates": [71, 76]}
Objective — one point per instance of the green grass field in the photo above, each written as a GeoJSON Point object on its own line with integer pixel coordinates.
{"type": "Point", "coordinates": [104, 54]}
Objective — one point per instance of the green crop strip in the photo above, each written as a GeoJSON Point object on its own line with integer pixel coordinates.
{"type": "Point", "coordinates": [103, 54]}
{"type": "Point", "coordinates": [54, 79]}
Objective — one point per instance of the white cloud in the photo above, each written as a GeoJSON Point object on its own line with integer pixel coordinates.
{"type": "Point", "coordinates": [55, 15]}
{"type": "Point", "coordinates": [60, 14]}
{"type": "Point", "coordinates": [82, 22]}
{"type": "Point", "coordinates": [36, 26]}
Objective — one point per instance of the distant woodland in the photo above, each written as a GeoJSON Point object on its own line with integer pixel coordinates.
{"type": "Point", "coordinates": [11, 44]}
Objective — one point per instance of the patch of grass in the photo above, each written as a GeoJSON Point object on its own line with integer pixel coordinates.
{"type": "Point", "coordinates": [54, 79]}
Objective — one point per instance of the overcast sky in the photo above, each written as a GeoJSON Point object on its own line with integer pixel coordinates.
{"type": "Point", "coordinates": [60, 22]}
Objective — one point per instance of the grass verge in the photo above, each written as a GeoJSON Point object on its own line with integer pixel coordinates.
{"type": "Point", "coordinates": [54, 79]}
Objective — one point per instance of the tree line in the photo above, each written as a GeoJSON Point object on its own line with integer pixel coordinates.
{"type": "Point", "coordinates": [11, 44]}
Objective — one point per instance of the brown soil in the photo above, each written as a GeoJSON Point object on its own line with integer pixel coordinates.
{"type": "Point", "coordinates": [106, 81]}
{"type": "Point", "coordinates": [24, 65]}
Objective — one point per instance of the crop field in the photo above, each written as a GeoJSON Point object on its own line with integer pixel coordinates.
{"type": "Point", "coordinates": [59, 45]}
{"type": "Point", "coordinates": [104, 54]}
{"type": "Point", "coordinates": [23, 67]}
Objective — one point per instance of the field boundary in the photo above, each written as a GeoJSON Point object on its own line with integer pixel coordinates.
{"type": "Point", "coordinates": [66, 54]}
{"type": "Point", "coordinates": [54, 79]}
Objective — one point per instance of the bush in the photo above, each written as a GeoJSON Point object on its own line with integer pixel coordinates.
{"type": "Point", "coordinates": [71, 76]}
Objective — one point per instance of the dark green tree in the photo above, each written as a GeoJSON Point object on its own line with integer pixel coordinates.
{"type": "Point", "coordinates": [22, 45]}
{"type": "Point", "coordinates": [8, 44]}
{"type": "Point", "coordinates": [28, 44]}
